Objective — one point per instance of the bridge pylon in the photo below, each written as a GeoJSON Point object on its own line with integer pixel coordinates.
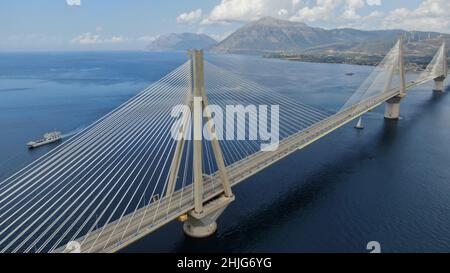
{"type": "Point", "coordinates": [439, 81]}
{"type": "Point", "coordinates": [200, 222]}
{"type": "Point", "coordinates": [392, 109]}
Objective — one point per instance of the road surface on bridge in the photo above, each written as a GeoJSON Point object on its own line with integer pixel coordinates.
{"type": "Point", "coordinates": [119, 234]}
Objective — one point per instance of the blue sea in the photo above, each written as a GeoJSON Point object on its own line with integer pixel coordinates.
{"type": "Point", "coordinates": [388, 183]}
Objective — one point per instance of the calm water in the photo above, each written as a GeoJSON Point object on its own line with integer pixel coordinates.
{"type": "Point", "coordinates": [389, 182]}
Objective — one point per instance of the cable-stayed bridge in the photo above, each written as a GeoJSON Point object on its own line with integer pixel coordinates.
{"type": "Point", "coordinates": [125, 176]}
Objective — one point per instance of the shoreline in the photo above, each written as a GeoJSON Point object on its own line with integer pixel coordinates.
{"type": "Point", "coordinates": [413, 63]}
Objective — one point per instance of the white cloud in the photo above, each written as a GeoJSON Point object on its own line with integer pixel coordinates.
{"type": "Point", "coordinates": [89, 38]}
{"type": "Point", "coordinates": [86, 39]}
{"type": "Point", "coordinates": [351, 8]}
{"type": "Point", "coordinates": [374, 2]}
{"type": "Point", "coordinates": [295, 3]}
{"type": "Point", "coordinates": [115, 40]}
{"type": "Point", "coordinates": [235, 10]}
{"type": "Point", "coordinates": [369, 22]}
{"type": "Point", "coordinates": [189, 17]}
{"type": "Point", "coordinates": [431, 15]}
{"type": "Point", "coordinates": [283, 12]}
{"type": "Point", "coordinates": [228, 11]}
{"type": "Point", "coordinates": [374, 14]}
{"type": "Point", "coordinates": [73, 2]}
{"type": "Point", "coordinates": [323, 10]}
{"type": "Point", "coordinates": [148, 39]}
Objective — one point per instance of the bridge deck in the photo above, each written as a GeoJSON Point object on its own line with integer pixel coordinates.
{"type": "Point", "coordinates": [131, 228]}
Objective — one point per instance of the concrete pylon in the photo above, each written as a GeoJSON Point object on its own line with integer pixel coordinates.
{"type": "Point", "coordinates": [197, 126]}
{"type": "Point", "coordinates": [201, 225]}
{"type": "Point", "coordinates": [201, 221]}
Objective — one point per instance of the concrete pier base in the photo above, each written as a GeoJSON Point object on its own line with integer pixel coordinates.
{"type": "Point", "coordinates": [439, 84]}
{"type": "Point", "coordinates": [73, 247]}
{"type": "Point", "coordinates": [201, 225]}
{"type": "Point", "coordinates": [199, 229]}
{"type": "Point", "coordinates": [392, 109]}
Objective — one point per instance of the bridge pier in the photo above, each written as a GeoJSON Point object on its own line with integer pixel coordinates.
{"type": "Point", "coordinates": [73, 247]}
{"type": "Point", "coordinates": [201, 221]}
{"type": "Point", "coordinates": [392, 109]}
{"type": "Point", "coordinates": [201, 225]}
{"type": "Point", "coordinates": [439, 84]}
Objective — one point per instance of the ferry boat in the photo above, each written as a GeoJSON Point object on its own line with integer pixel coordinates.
{"type": "Point", "coordinates": [48, 138]}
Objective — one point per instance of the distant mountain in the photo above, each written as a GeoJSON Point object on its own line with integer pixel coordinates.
{"type": "Point", "coordinates": [181, 42]}
{"type": "Point", "coordinates": [270, 35]}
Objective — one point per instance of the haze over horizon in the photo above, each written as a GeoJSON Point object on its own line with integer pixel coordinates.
{"type": "Point", "coordinates": [74, 25]}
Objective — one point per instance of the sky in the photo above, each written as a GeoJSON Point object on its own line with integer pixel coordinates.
{"type": "Point", "coordinates": [77, 25]}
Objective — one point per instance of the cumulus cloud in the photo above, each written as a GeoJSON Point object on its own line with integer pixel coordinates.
{"type": "Point", "coordinates": [148, 39]}
{"type": "Point", "coordinates": [430, 15]}
{"type": "Point", "coordinates": [73, 2]}
{"type": "Point", "coordinates": [228, 11]}
{"type": "Point", "coordinates": [115, 40]}
{"type": "Point", "coordinates": [323, 10]}
{"type": "Point", "coordinates": [295, 3]}
{"type": "Point", "coordinates": [374, 2]}
{"type": "Point", "coordinates": [351, 8]}
{"type": "Point", "coordinates": [374, 14]}
{"type": "Point", "coordinates": [89, 38]}
{"type": "Point", "coordinates": [369, 22]}
{"type": "Point", "coordinates": [235, 10]}
{"type": "Point", "coordinates": [190, 17]}
{"type": "Point", "coordinates": [283, 12]}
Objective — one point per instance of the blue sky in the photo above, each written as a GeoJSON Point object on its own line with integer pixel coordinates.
{"type": "Point", "coordinates": [130, 25]}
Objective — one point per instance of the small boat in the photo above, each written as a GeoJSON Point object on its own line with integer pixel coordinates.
{"type": "Point", "coordinates": [359, 125]}
{"type": "Point", "coordinates": [350, 74]}
{"type": "Point", "coordinates": [48, 138]}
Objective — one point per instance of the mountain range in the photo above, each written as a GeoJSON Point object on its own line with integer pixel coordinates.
{"type": "Point", "coordinates": [274, 36]}
{"type": "Point", "coordinates": [270, 35]}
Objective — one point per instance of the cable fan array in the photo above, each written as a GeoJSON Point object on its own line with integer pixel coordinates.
{"type": "Point", "coordinates": [110, 179]}
{"type": "Point", "coordinates": [227, 89]}
{"type": "Point", "coordinates": [108, 170]}
{"type": "Point", "coordinates": [120, 164]}
{"type": "Point", "coordinates": [383, 77]}
{"type": "Point", "coordinates": [435, 68]}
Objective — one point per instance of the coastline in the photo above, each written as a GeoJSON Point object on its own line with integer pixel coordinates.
{"type": "Point", "coordinates": [413, 63]}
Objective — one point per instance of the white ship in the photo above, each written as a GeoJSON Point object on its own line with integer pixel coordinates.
{"type": "Point", "coordinates": [48, 138]}
{"type": "Point", "coordinates": [359, 125]}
